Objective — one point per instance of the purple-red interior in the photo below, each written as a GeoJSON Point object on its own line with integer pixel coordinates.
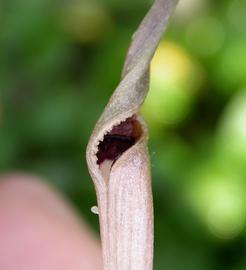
{"type": "Point", "coordinates": [118, 140]}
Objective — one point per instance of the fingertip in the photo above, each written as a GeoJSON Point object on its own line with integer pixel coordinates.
{"type": "Point", "coordinates": [39, 230]}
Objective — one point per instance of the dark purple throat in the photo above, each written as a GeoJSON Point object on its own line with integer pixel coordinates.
{"type": "Point", "coordinates": [118, 140]}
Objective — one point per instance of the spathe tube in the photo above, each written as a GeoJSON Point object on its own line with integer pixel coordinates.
{"type": "Point", "coordinates": [117, 155]}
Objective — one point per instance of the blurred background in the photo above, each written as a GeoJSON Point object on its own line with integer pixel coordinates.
{"type": "Point", "coordinates": [59, 63]}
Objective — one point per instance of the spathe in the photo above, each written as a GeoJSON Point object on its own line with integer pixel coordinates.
{"type": "Point", "coordinates": [117, 155]}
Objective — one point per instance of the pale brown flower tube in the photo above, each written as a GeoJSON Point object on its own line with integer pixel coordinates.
{"type": "Point", "coordinates": [118, 159]}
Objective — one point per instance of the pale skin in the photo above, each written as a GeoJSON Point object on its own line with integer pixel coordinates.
{"type": "Point", "coordinates": [40, 230]}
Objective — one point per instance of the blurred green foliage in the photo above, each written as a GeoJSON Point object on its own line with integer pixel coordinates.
{"type": "Point", "coordinates": [59, 63]}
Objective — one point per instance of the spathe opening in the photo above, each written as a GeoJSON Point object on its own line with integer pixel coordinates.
{"type": "Point", "coordinates": [118, 140]}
